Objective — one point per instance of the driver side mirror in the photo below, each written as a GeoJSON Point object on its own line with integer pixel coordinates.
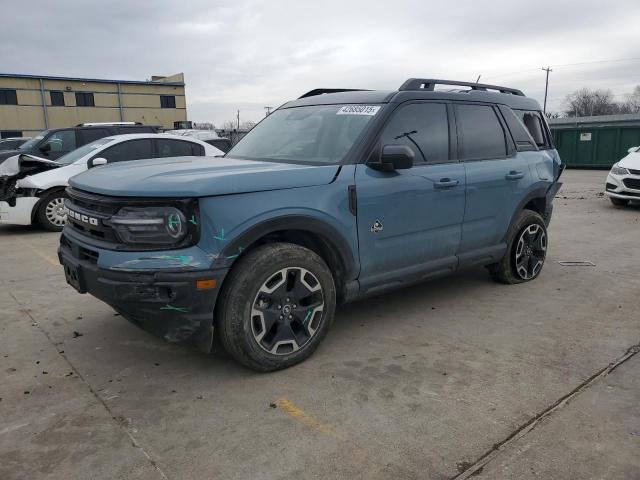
{"type": "Point", "coordinates": [394, 157]}
{"type": "Point", "coordinates": [96, 162]}
{"type": "Point", "coordinates": [632, 149]}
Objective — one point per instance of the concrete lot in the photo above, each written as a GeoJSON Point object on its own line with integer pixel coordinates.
{"type": "Point", "coordinates": [454, 378]}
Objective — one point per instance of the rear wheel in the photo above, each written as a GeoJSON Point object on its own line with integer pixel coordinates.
{"type": "Point", "coordinates": [526, 250]}
{"type": "Point", "coordinates": [277, 305]}
{"type": "Point", "coordinates": [51, 215]}
{"type": "Point", "coordinates": [619, 202]}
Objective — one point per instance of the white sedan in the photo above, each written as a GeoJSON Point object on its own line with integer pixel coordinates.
{"type": "Point", "coordinates": [33, 188]}
{"type": "Point", "coordinates": [623, 181]}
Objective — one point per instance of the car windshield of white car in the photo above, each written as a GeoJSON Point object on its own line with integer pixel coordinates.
{"type": "Point", "coordinates": [78, 153]}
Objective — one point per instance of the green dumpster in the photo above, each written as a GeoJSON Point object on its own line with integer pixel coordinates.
{"type": "Point", "coordinates": [589, 143]}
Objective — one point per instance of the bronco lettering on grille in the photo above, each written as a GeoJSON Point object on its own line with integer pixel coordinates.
{"type": "Point", "coordinates": [81, 218]}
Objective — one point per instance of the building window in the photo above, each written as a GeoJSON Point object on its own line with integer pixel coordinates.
{"type": "Point", "coordinates": [84, 99]}
{"type": "Point", "coordinates": [10, 133]}
{"type": "Point", "coordinates": [8, 97]}
{"type": "Point", "coordinates": [167, 101]}
{"type": "Point", "coordinates": [57, 98]}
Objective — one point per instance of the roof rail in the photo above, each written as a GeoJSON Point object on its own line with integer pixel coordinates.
{"type": "Point", "coordinates": [430, 83]}
{"type": "Point", "coordinates": [322, 91]}
{"type": "Point", "coordinates": [99, 124]}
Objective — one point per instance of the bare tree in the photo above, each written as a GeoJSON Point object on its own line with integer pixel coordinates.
{"type": "Point", "coordinates": [229, 125]}
{"type": "Point", "coordinates": [247, 125]}
{"type": "Point", "coordinates": [586, 102]}
{"type": "Point", "coordinates": [632, 102]}
{"type": "Point", "coordinates": [204, 126]}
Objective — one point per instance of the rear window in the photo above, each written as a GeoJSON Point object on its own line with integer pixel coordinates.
{"type": "Point", "coordinates": [533, 122]}
{"type": "Point", "coordinates": [480, 134]}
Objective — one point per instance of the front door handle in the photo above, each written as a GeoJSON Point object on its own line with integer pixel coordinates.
{"type": "Point", "coordinates": [446, 183]}
{"type": "Point", "coordinates": [514, 175]}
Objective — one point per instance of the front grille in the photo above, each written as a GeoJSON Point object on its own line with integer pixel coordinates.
{"type": "Point", "coordinates": [634, 172]}
{"type": "Point", "coordinates": [629, 194]}
{"type": "Point", "coordinates": [95, 207]}
{"type": "Point", "coordinates": [90, 214]}
{"type": "Point", "coordinates": [632, 183]}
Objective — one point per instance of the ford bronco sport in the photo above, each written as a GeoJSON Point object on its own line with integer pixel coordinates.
{"type": "Point", "coordinates": [337, 195]}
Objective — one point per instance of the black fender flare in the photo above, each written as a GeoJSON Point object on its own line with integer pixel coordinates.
{"type": "Point", "coordinates": [326, 232]}
{"type": "Point", "coordinates": [538, 193]}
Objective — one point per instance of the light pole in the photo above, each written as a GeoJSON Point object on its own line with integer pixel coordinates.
{"type": "Point", "coordinates": [546, 89]}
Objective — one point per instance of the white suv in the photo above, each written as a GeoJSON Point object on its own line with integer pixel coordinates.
{"type": "Point", "coordinates": [33, 188]}
{"type": "Point", "coordinates": [623, 181]}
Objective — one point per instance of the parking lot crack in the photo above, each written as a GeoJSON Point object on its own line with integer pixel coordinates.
{"type": "Point", "coordinates": [73, 368]}
{"type": "Point", "coordinates": [475, 468]}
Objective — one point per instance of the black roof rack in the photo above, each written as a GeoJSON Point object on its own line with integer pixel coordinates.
{"type": "Point", "coordinates": [322, 91]}
{"type": "Point", "coordinates": [430, 83]}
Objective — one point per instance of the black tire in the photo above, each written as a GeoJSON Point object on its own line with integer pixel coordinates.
{"type": "Point", "coordinates": [619, 202]}
{"type": "Point", "coordinates": [48, 214]}
{"type": "Point", "coordinates": [248, 319]}
{"type": "Point", "coordinates": [510, 269]}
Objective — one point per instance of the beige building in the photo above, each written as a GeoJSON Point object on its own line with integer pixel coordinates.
{"type": "Point", "coordinates": [32, 103]}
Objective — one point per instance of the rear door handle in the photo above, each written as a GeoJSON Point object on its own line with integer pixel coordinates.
{"type": "Point", "coordinates": [513, 175]}
{"type": "Point", "coordinates": [446, 183]}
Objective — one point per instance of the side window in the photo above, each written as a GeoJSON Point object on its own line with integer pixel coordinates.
{"type": "Point", "coordinates": [197, 150]}
{"type": "Point", "coordinates": [480, 134]}
{"type": "Point", "coordinates": [140, 129]}
{"type": "Point", "coordinates": [91, 134]}
{"type": "Point", "coordinates": [85, 99]}
{"type": "Point", "coordinates": [174, 148]}
{"type": "Point", "coordinates": [62, 141]}
{"type": "Point", "coordinates": [423, 127]}
{"type": "Point", "coordinates": [167, 101]}
{"type": "Point", "coordinates": [533, 122]}
{"type": "Point", "coordinates": [57, 98]}
{"type": "Point", "coordinates": [8, 97]}
{"type": "Point", "coordinates": [131, 150]}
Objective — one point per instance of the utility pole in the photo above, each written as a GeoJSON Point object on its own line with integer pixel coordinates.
{"type": "Point", "coordinates": [546, 89]}
{"type": "Point", "coordinates": [238, 120]}
{"type": "Point", "coordinates": [267, 111]}
{"type": "Point", "coordinates": [478, 79]}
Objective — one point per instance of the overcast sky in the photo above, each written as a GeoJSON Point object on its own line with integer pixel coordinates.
{"type": "Point", "coordinates": [250, 54]}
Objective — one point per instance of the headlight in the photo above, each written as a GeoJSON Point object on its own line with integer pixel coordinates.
{"type": "Point", "coordinates": [616, 170]}
{"type": "Point", "coordinates": [151, 225]}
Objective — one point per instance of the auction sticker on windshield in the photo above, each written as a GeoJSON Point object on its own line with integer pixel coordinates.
{"type": "Point", "coordinates": [358, 110]}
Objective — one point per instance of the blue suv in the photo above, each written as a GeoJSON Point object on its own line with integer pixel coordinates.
{"type": "Point", "coordinates": [335, 196]}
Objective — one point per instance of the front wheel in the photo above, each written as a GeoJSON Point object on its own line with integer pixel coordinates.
{"type": "Point", "coordinates": [276, 307]}
{"type": "Point", "coordinates": [526, 250]}
{"type": "Point", "coordinates": [51, 214]}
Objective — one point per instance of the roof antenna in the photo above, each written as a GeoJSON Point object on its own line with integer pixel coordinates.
{"type": "Point", "coordinates": [478, 79]}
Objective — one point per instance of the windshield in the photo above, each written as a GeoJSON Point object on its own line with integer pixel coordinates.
{"type": "Point", "coordinates": [78, 153]}
{"type": "Point", "coordinates": [318, 134]}
{"type": "Point", "coordinates": [29, 144]}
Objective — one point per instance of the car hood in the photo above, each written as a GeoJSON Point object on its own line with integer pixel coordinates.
{"type": "Point", "coordinates": [4, 154]}
{"type": "Point", "coordinates": [631, 161]}
{"type": "Point", "coordinates": [199, 177]}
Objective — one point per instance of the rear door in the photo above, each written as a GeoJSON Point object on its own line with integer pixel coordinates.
{"type": "Point", "coordinates": [130, 150]}
{"type": "Point", "coordinates": [177, 148]}
{"type": "Point", "coordinates": [410, 221]}
{"type": "Point", "coordinates": [494, 176]}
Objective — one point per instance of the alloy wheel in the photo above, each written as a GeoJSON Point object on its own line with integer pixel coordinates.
{"type": "Point", "coordinates": [531, 251]}
{"type": "Point", "coordinates": [287, 311]}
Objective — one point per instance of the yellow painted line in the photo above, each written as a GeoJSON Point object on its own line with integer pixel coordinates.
{"type": "Point", "coordinates": [45, 257]}
{"type": "Point", "coordinates": [303, 417]}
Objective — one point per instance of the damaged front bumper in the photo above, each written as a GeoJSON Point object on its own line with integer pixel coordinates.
{"type": "Point", "coordinates": [168, 304]}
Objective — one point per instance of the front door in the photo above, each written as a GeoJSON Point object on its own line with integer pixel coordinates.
{"type": "Point", "coordinates": [410, 221]}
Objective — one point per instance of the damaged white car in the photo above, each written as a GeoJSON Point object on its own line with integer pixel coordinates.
{"type": "Point", "coordinates": [623, 181]}
{"type": "Point", "coordinates": [32, 189]}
